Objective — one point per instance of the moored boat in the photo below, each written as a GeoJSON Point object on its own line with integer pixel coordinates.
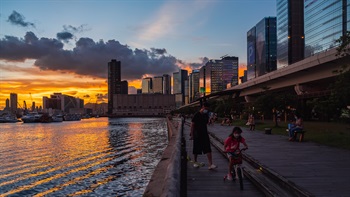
{"type": "Point", "coordinates": [8, 118]}
{"type": "Point", "coordinates": [57, 118]}
{"type": "Point", "coordinates": [72, 117]}
{"type": "Point", "coordinates": [31, 117]}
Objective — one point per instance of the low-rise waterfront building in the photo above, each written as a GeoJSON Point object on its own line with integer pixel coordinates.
{"type": "Point", "coordinates": [143, 104]}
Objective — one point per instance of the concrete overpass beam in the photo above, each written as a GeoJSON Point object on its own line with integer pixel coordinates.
{"type": "Point", "coordinates": [249, 99]}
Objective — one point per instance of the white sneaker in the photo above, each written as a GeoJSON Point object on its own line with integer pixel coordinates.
{"type": "Point", "coordinates": [229, 177]}
{"type": "Point", "coordinates": [212, 167]}
{"type": "Point", "coordinates": [195, 165]}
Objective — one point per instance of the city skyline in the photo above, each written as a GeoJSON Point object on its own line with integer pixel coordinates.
{"type": "Point", "coordinates": [67, 52]}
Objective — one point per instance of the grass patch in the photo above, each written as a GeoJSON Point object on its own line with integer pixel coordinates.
{"type": "Point", "coordinates": [325, 133]}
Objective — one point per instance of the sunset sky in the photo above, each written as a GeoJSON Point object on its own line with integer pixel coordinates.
{"type": "Point", "coordinates": [49, 46]}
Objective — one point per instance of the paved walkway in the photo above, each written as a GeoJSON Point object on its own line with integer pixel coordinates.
{"type": "Point", "coordinates": [320, 170]}
{"type": "Point", "coordinates": [202, 182]}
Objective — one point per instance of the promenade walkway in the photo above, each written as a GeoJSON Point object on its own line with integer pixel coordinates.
{"type": "Point", "coordinates": [203, 182]}
{"type": "Point", "coordinates": [318, 169]}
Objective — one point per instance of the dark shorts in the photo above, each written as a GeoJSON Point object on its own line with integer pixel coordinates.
{"type": "Point", "coordinates": [201, 145]}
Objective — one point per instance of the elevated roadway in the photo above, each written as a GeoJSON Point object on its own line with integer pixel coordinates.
{"type": "Point", "coordinates": [308, 78]}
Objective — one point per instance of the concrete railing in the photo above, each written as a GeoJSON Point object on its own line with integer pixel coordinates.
{"type": "Point", "coordinates": [166, 178]}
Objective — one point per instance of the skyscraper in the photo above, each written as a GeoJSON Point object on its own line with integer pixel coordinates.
{"type": "Point", "coordinates": [290, 32]}
{"type": "Point", "coordinates": [115, 85]}
{"type": "Point", "coordinates": [251, 50]}
{"type": "Point", "coordinates": [147, 85]}
{"type": "Point", "coordinates": [7, 104]}
{"type": "Point", "coordinates": [325, 22]}
{"type": "Point", "coordinates": [218, 75]}
{"type": "Point", "coordinates": [194, 85]}
{"type": "Point", "coordinates": [262, 48]}
{"type": "Point", "coordinates": [13, 102]}
{"type": "Point", "coordinates": [229, 71]}
{"type": "Point", "coordinates": [166, 84]}
{"type": "Point", "coordinates": [213, 76]}
{"type": "Point", "coordinates": [202, 87]}
{"type": "Point", "coordinates": [158, 85]}
{"type": "Point", "coordinates": [179, 79]}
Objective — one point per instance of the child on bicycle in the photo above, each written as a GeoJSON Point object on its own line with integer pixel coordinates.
{"type": "Point", "coordinates": [232, 148]}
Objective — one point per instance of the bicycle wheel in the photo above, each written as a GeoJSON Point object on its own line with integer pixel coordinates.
{"type": "Point", "coordinates": [240, 178]}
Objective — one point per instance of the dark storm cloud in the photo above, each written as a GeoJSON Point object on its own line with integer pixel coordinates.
{"type": "Point", "coordinates": [16, 49]}
{"type": "Point", "coordinates": [158, 51]}
{"type": "Point", "coordinates": [18, 19]}
{"type": "Point", "coordinates": [65, 36]}
{"type": "Point", "coordinates": [88, 57]}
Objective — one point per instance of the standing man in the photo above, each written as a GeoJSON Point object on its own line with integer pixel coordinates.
{"type": "Point", "coordinates": [200, 137]}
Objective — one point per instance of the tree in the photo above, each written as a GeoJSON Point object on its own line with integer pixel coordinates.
{"type": "Point", "coordinates": [340, 96]}
{"type": "Point", "coordinates": [343, 49]}
{"type": "Point", "coordinates": [269, 103]}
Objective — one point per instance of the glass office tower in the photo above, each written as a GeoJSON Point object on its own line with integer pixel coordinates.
{"type": "Point", "coordinates": [262, 48]}
{"type": "Point", "coordinates": [218, 75]}
{"type": "Point", "coordinates": [251, 57]}
{"type": "Point", "coordinates": [290, 32]}
{"type": "Point", "coordinates": [325, 22]}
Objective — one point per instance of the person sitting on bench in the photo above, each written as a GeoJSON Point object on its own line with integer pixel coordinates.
{"type": "Point", "coordinates": [297, 126]}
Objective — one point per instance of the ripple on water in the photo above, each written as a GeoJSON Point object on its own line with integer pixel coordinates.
{"type": "Point", "coordinates": [93, 157]}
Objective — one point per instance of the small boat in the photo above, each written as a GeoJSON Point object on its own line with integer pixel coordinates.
{"type": "Point", "coordinates": [72, 117]}
{"type": "Point", "coordinates": [31, 117]}
{"type": "Point", "coordinates": [8, 118]}
{"type": "Point", "coordinates": [57, 118]}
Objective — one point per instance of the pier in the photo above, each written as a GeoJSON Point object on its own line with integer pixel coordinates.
{"type": "Point", "coordinates": [273, 166]}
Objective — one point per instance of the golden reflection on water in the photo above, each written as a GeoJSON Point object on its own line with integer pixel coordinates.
{"type": "Point", "coordinates": [136, 134]}
{"type": "Point", "coordinates": [76, 152]}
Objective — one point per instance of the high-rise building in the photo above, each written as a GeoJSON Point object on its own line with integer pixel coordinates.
{"type": "Point", "coordinates": [166, 84]}
{"type": "Point", "coordinates": [229, 71]}
{"type": "Point", "coordinates": [179, 86]}
{"type": "Point", "coordinates": [147, 85]}
{"type": "Point", "coordinates": [325, 22]}
{"type": "Point", "coordinates": [213, 76]}
{"type": "Point", "coordinates": [7, 104]}
{"type": "Point", "coordinates": [193, 85]}
{"type": "Point", "coordinates": [251, 57]}
{"type": "Point", "coordinates": [290, 32]}
{"type": "Point", "coordinates": [262, 48]}
{"type": "Point", "coordinates": [13, 102]}
{"type": "Point", "coordinates": [115, 85]}
{"type": "Point", "coordinates": [186, 93]}
{"type": "Point", "coordinates": [202, 87]}
{"type": "Point", "coordinates": [218, 75]}
{"type": "Point", "coordinates": [158, 85]}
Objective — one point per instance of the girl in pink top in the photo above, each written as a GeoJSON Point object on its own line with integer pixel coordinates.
{"type": "Point", "coordinates": [232, 148]}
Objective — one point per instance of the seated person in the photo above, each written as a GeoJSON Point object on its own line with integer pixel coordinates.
{"type": "Point", "coordinates": [297, 126]}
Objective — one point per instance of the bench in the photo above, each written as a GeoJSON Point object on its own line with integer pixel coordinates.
{"type": "Point", "coordinates": [300, 132]}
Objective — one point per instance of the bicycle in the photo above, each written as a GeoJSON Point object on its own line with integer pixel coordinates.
{"type": "Point", "coordinates": [237, 168]}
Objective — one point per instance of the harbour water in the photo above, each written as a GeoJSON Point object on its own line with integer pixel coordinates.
{"type": "Point", "coordinates": [91, 157]}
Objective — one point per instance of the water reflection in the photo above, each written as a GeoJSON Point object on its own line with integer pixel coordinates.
{"type": "Point", "coordinates": [97, 157]}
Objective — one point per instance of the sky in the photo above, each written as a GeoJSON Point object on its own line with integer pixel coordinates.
{"type": "Point", "coordinates": [49, 46]}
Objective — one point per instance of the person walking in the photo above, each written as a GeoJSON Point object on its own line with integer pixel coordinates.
{"type": "Point", "coordinates": [200, 137]}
